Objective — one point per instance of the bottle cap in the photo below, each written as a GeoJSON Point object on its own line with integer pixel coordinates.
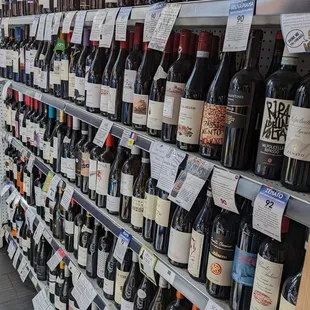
{"type": "Point", "coordinates": [141, 294]}
{"type": "Point", "coordinates": [168, 47]}
{"type": "Point", "coordinates": [138, 33]}
{"type": "Point", "coordinates": [62, 265]}
{"type": "Point", "coordinates": [135, 150]}
{"type": "Point", "coordinates": [203, 41]}
{"type": "Point", "coordinates": [36, 104]}
{"type": "Point", "coordinates": [289, 59]}
{"type": "Point", "coordinates": [110, 140]}
{"type": "Point", "coordinates": [69, 35]}
{"type": "Point", "coordinates": [20, 96]}
{"type": "Point", "coordinates": [61, 35]}
{"type": "Point", "coordinates": [162, 282]}
{"type": "Point", "coordinates": [130, 40]}
{"type": "Point", "coordinates": [95, 43]}
{"type": "Point", "coordinates": [124, 44]}
{"type": "Point", "coordinates": [285, 225]}
{"type": "Point", "coordinates": [145, 46]}
{"type": "Point", "coordinates": [69, 120]}
{"type": "Point", "coordinates": [76, 123]}
{"type": "Point", "coordinates": [184, 41]}
{"type": "Point", "coordinates": [179, 295]}
{"type": "Point", "coordinates": [279, 35]}
{"type": "Point", "coordinates": [176, 42]}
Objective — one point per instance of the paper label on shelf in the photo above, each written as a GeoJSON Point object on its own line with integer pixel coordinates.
{"type": "Point", "coordinates": [97, 25]}
{"type": "Point", "coordinates": [164, 26]}
{"type": "Point", "coordinates": [268, 210]}
{"type": "Point", "coordinates": [16, 256]}
{"type": "Point", "coordinates": [39, 232]}
{"type": "Point", "coordinates": [38, 96]}
{"type": "Point", "coordinates": [51, 193]}
{"type": "Point", "coordinates": [47, 182]}
{"type": "Point", "coordinates": [211, 305]}
{"type": "Point", "coordinates": [54, 261]}
{"type": "Point", "coordinates": [121, 24]}
{"type": "Point", "coordinates": [102, 133]}
{"type": "Point", "coordinates": [150, 21]}
{"type": "Point", "coordinates": [171, 162]}
{"type": "Point", "coordinates": [48, 27]}
{"type": "Point", "coordinates": [5, 189]}
{"type": "Point", "coordinates": [30, 162]}
{"type": "Point", "coordinates": [147, 263]}
{"type": "Point", "coordinates": [11, 249]}
{"type": "Point", "coordinates": [224, 185]}
{"type": "Point", "coordinates": [128, 138]}
{"type": "Point", "coordinates": [56, 24]}
{"type": "Point", "coordinates": [22, 265]}
{"type": "Point", "coordinates": [12, 196]}
{"type": "Point", "coordinates": [41, 28]}
{"type": "Point", "coordinates": [41, 301]}
{"type": "Point", "coordinates": [24, 273]}
{"type": "Point", "coordinates": [165, 272]}
{"type": "Point", "coordinates": [238, 25]}
{"type": "Point", "coordinates": [5, 23]}
{"type": "Point", "coordinates": [123, 241]}
{"type": "Point", "coordinates": [78, 27]}
{"type": "Point", "coordinates": [107, 30]}
{"type": "Point", "coordinates": [34, 26]}
{"type": "Point", "coordinates": [30, 217]}
{"type": "Point", "coordinates": [67, 196]}
{"type": "Point", "coordinates": [67, 21]}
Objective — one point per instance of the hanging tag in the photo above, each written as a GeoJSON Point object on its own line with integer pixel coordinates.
{"type": "Point", "coordinates": [97, 25]}
{"type": "Point", "coordinates": [67, 21]}
{"type": "Point", "coordinates": [56, 24]}
{"type": "Point", "coordinates": [224, 185]}
{"type": "Point", "coordinates": [78, 27]}
{"type": "Point", "coordinates": [22, 265]}
{"type": "Point", "coordinates": [238, 25]}
{"type": "Point", "coordinates": [102, 133]}
{"type": "Point", "coordinates": [121, 24]}
{"type": "Point", "coordinates": [47, 182]}
{"type": "Point", "coordinates": [41, 28]}
{"type": "Point", "coordinates": [123, 241]}
{"type": "Point", "coordinates": [5, 189]}
{"type": "Point", "coordinates": [158, 151]}
{"type": "Point", "coordinates": [5, 89]}
{"type": "Point", "coordinates": [128, 138]}
{"type": "Point", "coordinates": [13, 195]}
{"type": "Point", "coordinates": [34, 26]}
{"type": "Point", "coordinates": [268, 210]}
{"type": "Point", "coordinates": [11, 249]}
{"type": "Point", "coordinates": [51, 193]}
{"type": "Point", "coordinates": [24, 273]}
{"type": "Point", "coordinates": [147, 262]}
{"type": "Point", "coordinates": [169, 169]}
{"type": "Point", "coordinates": [30, 162]}
{"type": "Point", "coordinates": [67, 196]}
{"type": "Point", "coordinates": [165, 272]}
{"type": "Point", "coordinates": [38, 96]}
{"type": "Point", "coordinates": [74, 272]}
{"type": "Point", "coordinates": [30, 217]}
{"type": "Point", "coordinates": [151, 19]}
{"type": "Point", "coordinates": [41, 301]}
{"type": "Point", "coordinates": [211, 305]}
{"type": "Point", "coordinates": [16, 257]}
{"type": "Point", "coordinates": [5, 23]}
{"type": "Point", "coordinates": [54, 261]}
{"type": "Point", "coordinates": [48, 27]}
{"type": "Point", "coordinates": [107, 30]}
{"type": "Point", "coordinates": [38, 233]}
{"type": "Point", "coordinates": [164, 26]}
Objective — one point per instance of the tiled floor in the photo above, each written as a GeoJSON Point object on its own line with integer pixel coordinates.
{"type": "Point", "coordinates": [14, 294]}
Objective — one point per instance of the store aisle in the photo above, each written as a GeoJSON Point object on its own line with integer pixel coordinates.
{"type": "Point", "coordinates": [14, 294]}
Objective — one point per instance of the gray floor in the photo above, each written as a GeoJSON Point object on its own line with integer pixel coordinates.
{"type": "Point", "coordinates": [14, 294]}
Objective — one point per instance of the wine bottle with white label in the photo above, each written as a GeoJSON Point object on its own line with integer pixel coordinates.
{"type": "Point", "coordinates": [16, 54]}
{"type": "Point", "coordinates": [78, 223]}
{"type": "Point", "coordinates": [65, 146]}
{"type": "Point", "coordinates": [59, 283]}
{"type": "Point", "coordinates": [9, 59]}
{"type": "Point", "coordinates": [55, 81]}
{"type": "Point", "coordinates": [70, 214]}
{"type": "Point", "coordinates": [92, 251]}
{"type": "Point", "coordinates": [65, 289]}
{"type": "Point", "coordinates": [64, 68]}
{"type": "Point", "coordinates": [110, 274]}
{"type": "Point", "coordinates": [47, 136]}
{"type": "Point", "coordinates": [145, 295]}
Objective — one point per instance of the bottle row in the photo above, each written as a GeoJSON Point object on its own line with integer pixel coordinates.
{"type": "Point", "coordinates": [121, 282]}
{"type": "Point", "coordinates": [201, 104]}
{"type": "Point", "coordinates": [218, 248]}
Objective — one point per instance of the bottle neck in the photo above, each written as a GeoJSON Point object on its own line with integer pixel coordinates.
{"type": "Point", "coordinates": [252, 56]}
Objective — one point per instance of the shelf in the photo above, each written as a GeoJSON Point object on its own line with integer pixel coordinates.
{"type": "Point", "coordinates": [249, 184]}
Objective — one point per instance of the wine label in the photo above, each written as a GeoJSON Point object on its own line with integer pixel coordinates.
{"type": "Point", "coordinates": [149, 207]}
{"type": "Point", "coordinates": [113, 203]}
{"type": "Point", "coordinates": [69, 227]}
{"type": "Point", "coordinates": [47, 213]}
{"type": "Point", "coordinates": [101, 262]}
{"type": "Point", "coordinates": [22, 58]}
{"type": "Point", "coordinates": [64, 70]}
{"type": "Point", "coordinates": [56, 73]}
{"type": "Point", "coordinates": [103, 172]}
{"type": "Point", "coordinates": [244, 267]}
{"type": "Point", "coordinates": [15, 61]}
{"type": "Point", "coordinates": [82, 256]}
{"type": "Point", "coordinates": [120, 279]}
{"type": "Point", "coordinates": [40, 138]}
{"type": "Point", "coordinates": [172, 102]}
{"type": "Point", "coordinates": [137, 212]}
{"type": "Point", "coordinates": [93, 95]}
{"type": "Point", "coordinates": [108, 286]}
{"type": "Point", "coordinates": [155, 115]}
{"type": "Point", "coordinates": [112, 100]}
{"type": "Point", "coordinates": [213, 124]}
{"type": "Point", "coordinates": [140, 103]}
{"type": "Point", "coordinates": [85, 164]}
{"type": "Point", "coordinates": [77, 231]}
{"type": "Point", "coordinates": [126, 184]}
{"type": "Point", "coordinates": [2, 58]}
{"type": "Point", "coordinates": [298, 134]}
{"type": "Point", "coordinates": [79, 88]}
{"type": "Point", "coordinates": [9, 115]}
{"type": "Point", "coordinates": [126, 305]}
{"type": "Point", "coordinates": [128, 86]}
{"type": "Point", "coordinates": [55, 147]}
{"type": "Point", "coordinates": [27, 61]}
{"type": "Point", "coordinates": [70, 168]}
{"type": "Point", "coordinates": [190, 120]}
{"type": "Point", "coordinates": [92, 174]}
{"type": "Point", "coordinates": [285, 305]}
{"type": "Point", "coordinates": [162, 212]}
{"type": "Point", "coordinates": [63, 165]}
{"type": "Point", "coordinates": [104, 98]}
{"type": "Point", "coordinates": [71, 84]}
{"type": "Point", "coordinates": [195, 253]}
{"type": "Point", "coordinates": [46, 150]}
{"type": "Point", "coordinates": [267, 283]}
{"type": "Point", "coordinates": [32, 56]}
{"type": "Point", "coordinates": [179, 245]}
{"type": "Point", "coordinates": [62, 306]}
{"type": "Point", "coordinates": [9, 59]}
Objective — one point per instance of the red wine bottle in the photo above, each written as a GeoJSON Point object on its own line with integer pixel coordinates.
{"type": "Point", "coordinates": [144, 295]}
{"type": "Point", "coordinates": [288, 299]}
{"type": "Point", "coordinates": [193, 97]}
{"type": "Point", "coordinates": [92, 251]}
{"type": "Point", "coordinates": [78, 154]}
{"type": "Point", "coordinates": [70, 214]}
{"type": "Point", "coordinates": [161, 299]}
{"type": "Point", "coordinates": [176, 44]}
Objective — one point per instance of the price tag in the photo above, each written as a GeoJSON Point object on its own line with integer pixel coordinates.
{"type": "Point", "coordinates": [67, 196]}
{"type": "Point", "coordinates": [158, 151]}
{"type": "Point", "coordinates": [5, 23]}
{"type": "Point", "coordinates": [47, 182]}
{"type": "Point", "coordinates": [30, 217]}
{"type": "Point", "coordinates": [121, 24]}
{"type": "Point", "coordinates": [128, 138]}
{"type": "Point", "coordinates": [102, 133]}
{"type": "Point", "coordinates": [147, 262]}
{"type": "Point", "coordinates": [38, 233]}
{"type": "Point", "coordinates": [211, 305]}
{"type": "Point", "coordinates": [48, 237]}
{"type": "Point", "coordinates": [67, 21]}
{"type": "Point", "coordinates": [238, 25]}
{"type": "Point", "coordinates": [22, 265]}
{"type": "Point", "coordinates": [107, 30]}
{"type": "Point", "coordinates": [97, 25]}
{"type": "Point", "coordinates": [11, 249]}
{"type": "Point", "coordinates": [30, 162]}
{"type": "Point", "coordinates": [12, 196]}
{"type": "Point", "coordinates": [24, 274]}
{"type": "Point", "coordinates": [164, 26]}
{"type": "Point", "coordinates": [16, 257]}
{"type": "Point", "coordinates": [268, 210]}
{"type": "Point", "coordinates": [51, 193]}
{"type": "Point", "coordinates": [169, 169]}
{"type": "Point", "coordinates": [165, 272]}
{"type": "Point", "coordinates": [54, 261]}
{"type": "Point", "coordinates": [224, 185]}
{"type": "Point", "coordinates": [48, 27]}
{"type": "Point", "coordinates": [57, 20]}
{"type": "Point", "coordinates": [41, 28]}
{"type": "Point", "coordinates": [41, 301]}
{"type": "Point", "coordinates": [34, 281]}
{"type": "Point", "coordinates": [5, 90]}
{"type": "Point", "coordinates": [122, 243]}
{"type": "Point", "coordinates": [38, 96]}
{"type": "Point", "coordinates": [34, 26]}
{"type": "Point", "coordinates": [5, 189]}
{"type": "Point", "coordinates": [151, 19]}
{"type": "Point", "coordinates": [78, 27]}
{"type": "Point", "coordinates": [75, 273]}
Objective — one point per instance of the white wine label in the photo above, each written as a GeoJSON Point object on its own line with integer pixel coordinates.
{"type": "Point", "coordinates": [179, 244]}
{"type": "Point", "coordinates": [70, 168]}
{"type": "Point", "coordinates": [93, 95]}
{"type": "Point", "coordinates": [191, 112]}
{"type": "Point", "coordinates": [298, 134]}
{"type": "Point", "coordinates": [137, 212]}
{"type": "Point", "coordinates": [71, 84]}
{"type": "Point", "coordinates": [155, 114]}
{"type": "Point", "coordinates": [57, 72]}
{"type": "Point", "coordinates": [195, 253]}
{"type": "Point", "coordinates": [108, 286]}
{"type": "Point", "coordinates": [126, 305]}
{"type": "Point", "coordinates": [120, 279]}
{"type": "Point", "coordinates": [79, 86]}
{"type": "Point", "coordinates": [102, 258]}
{"type": "Point", "coordinates": [103, 172]}
{"type": "Point", "coordinates": [64, 70]}
{"type": "Point", "coordinates": [149, 207]}
{"type": "Point", "coordinates": [77, 231]}
{"type": "Point", "coordinates": [126, 184]}
{"type": "Point", "coordinates": [69, 227]}
{"type": "Point", "coordinates": [82, 256]}
{"type": "Point", "coordinates": [162, 212]}
{"type": "Point", "coordinates": [63, 165]}
{"type": "Point", "coordinates": [85, 164]}
{"type": "Point", "coordinates": [15, 60]}
{"type": "Point", "coordinates": [92, 174]}
{"type": "Point", "coordinates": [285, 305]}
{"type": "Point", "coordinates": [139, 110]}
{"type": "Point", "coordinates": [113, 203]}
{"type": "Point", "coordinates": [112, 100]}
{"type": "Point", "coordinates": [267, 283]}
{"type": "Point", "coordinates": [104, 98]}
{"type": "Point", "coordinates": [128, 86]}
{"type": "Point", "coordinates": [55, 147]}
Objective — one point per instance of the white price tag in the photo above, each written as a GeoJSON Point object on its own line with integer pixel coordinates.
{"type": "Point", "coordinates": [164, 26]}
{"type": "Point", "coordinates": [97, 25]}
{"type": "Point", "coordinates": [24, 273]}
{"type": "Point", "coordinates": [165, 272]}
{"type": "Point", "coordinates": [48, 27]}
{"type": "Point", "coordinates": [30, 162]}
{"type": "Point", "coordinates": [128, 138]}
{"type": "Point", "coordinates": [41, 301]}
{"type": "Point", "coordinates": [224, 185]}
{"type": "Point", "coordinates": [147, 262]}
{"type": "Point", "coordinates": [151, 18]}
{"type": "Point", "coordinates": [12, 196]}
{"type": "Point", "coordinates": [211, 305]}
{"type": "Point", "coordinates": [107, 30]}
{"type": "Point", "coordinates": [67, 196]}
{"type": "Point", "coordinates": [75, 273]}
{"type": "Point", "coordinates": [121, 24]}
{"type": "Point", "coordinates": [56, 24]}
{"type": "Point", "coordinates": [5, 188]}
{"type": "Point", "coordinates": [16, 257]}
{"type": "Point", "coordinates": [238, 25]}
{"type": "Point", "coordinates": [51, 193]}
{"type": "Point", "coordinates": [41, 28]}
{"type": "Point", "coordinates": [34, 26]}
{"type": "Point", "coordinates": [30, 217]}
{"type": "Point", "coordinates": [38, 96]}
{"type": "Point", "coordinates": [5, 23]}
{"type": "Point", "coordinates": [38, 233]}
{"type": "Point", "coordinates": [268, 210]}
{"type": "Point", "coordinates": [158, 151]}
{"type": "Point", "coordinates": [102, 133]}
{"type": "Point", "coordinates": [121, 245]}
{"type": "Point", "coordinates": [5, 90]}
{"type": "Point", "coordinates": [11, 249]}
{"type": "Point", "coordinates": [54, 261]}
{"type": "Point", "coordinates": [67, 21]}
{"type": "Point", "coordinates": [22, 265]}
{"type": "Point", "coordinates": [78, 27]}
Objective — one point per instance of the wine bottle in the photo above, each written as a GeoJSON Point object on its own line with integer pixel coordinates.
{"type": "Point", "coordinates": [92, 251]}
{"type": "Point", "coordinates": [65, 146]}
{"type": "Point", "coordinates": [43, 121]}
{"type": "Point", "coordinates": [179, 303]}
{"type": "Point", "coordinates": [176, 44]}
{"type": "Point", "coordinates": [109, 274]}
{"type": "Point", "coordinates": [52, 276]}
{"type": "Point", "coordinates": [45, 67]}
{"type": "Point", "coordinates": [48, 133]}
{"type": "Point", "coordinates": [214, 112]}
{"type": "Point", "coordinates": [281, 88]}
{"type": "Point", "coordinates": [4, 42]}
{"type": "Point", "coordinates": [55, 80]}
{"type": "Point", "coordinates": [288, 299]}
{"type": "Point", "coordinates": [59, 284]}
{"type": "Point", "coordinates": [78, 223]}
{"type": "Point", "coordinates": [24, 244]}
{"type": "Point", "coordinates": [161, 299]}
{"type": "Point", "coordinates": [129, 175]}
{"type": "Point", "coordinates": [65, 289]}
{"type": "Point", "coordinates": [93, 166]}
{"type": "Point", "coordinates": [64, 69]}
{"type": "Point", "coordinates": [144, 295]}
{"type": "Point", "coordinates": [22, 60]}
{"type": "Point", "coordinates": [243, 109]}
{"type": "Point", "coordinates": [26, 122]}
{"type": "Point", "coordinates": [75, 55]}
{"type": "Point", "coordinates": [78, 154]}
{"type": "Point", "coordinates": [16, 55]}
{"type": "Point", "coordinates": [9, 60]}
{"type": "Point", "coordinates": [221, 255]}
{"type": "Point", "coordinates": [192, 101]}
{"type": "Point", "coordinates": [69, 226]}
{"type": "Point", "coordinates": [58, 217]}
{"type": "Point", "coordinates": [41, 267]}
{"type": "Point", "coordinates": [37, 132]}
{"type": "Point", "coordinates": [32, 126]}
{"type": "Point", "coordinates": [131, 67]}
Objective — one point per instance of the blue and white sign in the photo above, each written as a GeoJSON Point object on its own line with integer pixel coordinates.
{"type": "Point", "coordinates": [123, 241]}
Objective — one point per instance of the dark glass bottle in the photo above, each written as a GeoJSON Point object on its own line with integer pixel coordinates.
{"type": "Point", "coordinates": [52, 277]}
{"type": "Point", "coordinates": [16, 55]}
{"type": "Point", "coordinates": [70, 215]}
{"type": "Point", "coordinates": [161, 299]}
{"type": "Point", "coordinates": [35, 52]}
{"type": "Point", "coordinates": [59, 283]}
{"type": "Point", "coordinates": [58, 217]}
{"type": "Point", "coordinates": [46, 66]}
{"type": "Point", "coordinates": [78, 154]}
{"type": "Point", "coordinates": [92, 251]}
{"type": "Point", "coordinates": [95, 152]}
{"type": "Point", "coordinates": [48, 133]}
{"type": "Point", "coordinates": [75, 55]}
{"type": "Point", "coordinates": [288, 299]}
{"type": "Point", "coordinates": [42, 127]}
{"type": "Point", "coordinates": [179, 303]}
{"type": "Point", "coordinates": [65, 146]}
{"type": "Point", "coordinates": [78, 223]}
{"type": "Point", "coordinates": [144, 295]}
{"type": "Point", "coordinates": [9, 59]}
{"type": "Point", "coordinates": [64, 69]}
{"type": "Point", "coordinates": [41, 259]}
{"type": "Point", "coordinates": [65, 289]}
{"type": "Point", "coordinates": [110, 274]}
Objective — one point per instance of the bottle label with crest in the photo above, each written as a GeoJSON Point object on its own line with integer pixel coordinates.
{"type": "Point", "coordinates": [85, 164]}
{"type": "Point", "coordinates": [155, 113]}
{"type": "Point", "coordinates": [112, 100]}
{"type": "Point", "coordinates": [139, 110]}
{"type": "Point", "coordinates": [195, 253]}
{"type": "Point", "coordinates": [56, 75]}
{"type": "Point", "coordinates": [104, 98]}
{"type": "Point", "coordinates": [129, 82]}
{"type": "Point", "coordinates": [82, 256]}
